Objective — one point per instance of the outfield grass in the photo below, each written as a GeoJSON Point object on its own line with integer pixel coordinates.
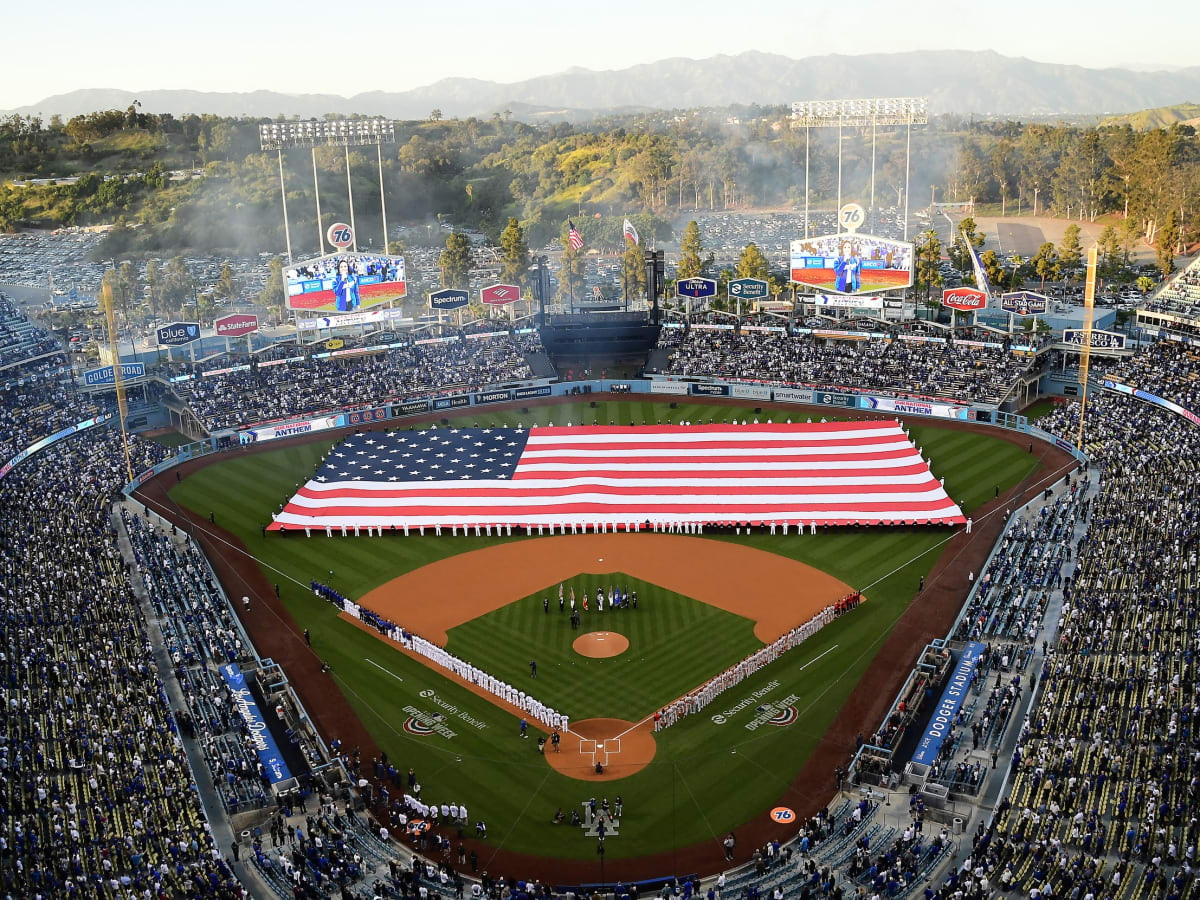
{"type": "Point", "coordinates": [675, 643]}
{"type": "Point", "coordinates": [697, 787]}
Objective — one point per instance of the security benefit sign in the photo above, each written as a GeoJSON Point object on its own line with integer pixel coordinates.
{"type": "Point", "coordinates": [261, 738]}
{"type": "Point", "coordinates": [953, 696]}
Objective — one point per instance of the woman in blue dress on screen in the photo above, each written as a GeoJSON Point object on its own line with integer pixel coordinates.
{"type": "Point", "coordinates": [848, 268]}
{"type": "Point", "coordinates": [345, 287]}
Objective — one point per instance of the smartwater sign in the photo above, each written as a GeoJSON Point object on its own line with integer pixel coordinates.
{"type": "Point", "coordinates": [105, 375]}
{"type": "Point", "coordinates": [260, 735]}
{"type": "Point", "coordinates": [952, 700]}
{"type": "Point", "coordinates": [177, 334]}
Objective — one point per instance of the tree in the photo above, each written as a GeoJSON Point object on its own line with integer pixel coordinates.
{"type": "Point", "coordinates": [225, 286]}
{"type": "Point", "coordinates": [129, 287]}
{"type": "Point", "coordinates": [1045, 262]}
{"type": "Point", "coordinates": [1145, 284]}
{"type": "Point", "coordinates": [691, 253]}
{"type": "Point", "coordinates": [752, 264]}
{"type": "Point", "coordinates": [177, 282]}
{"type": "Point", "coordinates": [435, 115]}
{"type": "Point", "coordinates": [154, 281]}
{"type": "Point", "coordinates": [1110, 251]}
{"type": "Point", "coordinates": [455, 261]}
{"type": "Point", "coordinates": [633, 272]}
{"type": "Point", "coordinates": [514, 254]}
{"type": "Point", "coordinates": [272, 295]}
{"type": "Point", "coordinates": [1018, 272]}
{"type": "Point", "coordinates": [993, 268]}
{"type": "Point", "coordinates": [1070, 251]}
{"type": "Point", "coordinates": [929, 257]}
{"type": "Point", "coordinates": [1165, 243]}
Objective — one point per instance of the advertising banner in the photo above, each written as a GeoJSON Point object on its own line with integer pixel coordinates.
{"type": "Point", "coordinates": [828, 398]}
{"type": "Point", "coordinates": [452, 402]}
{"type": "Point", "coordinates": [1171, 405]}
{"type": "Point", "coordinates": [964, 299]}
{"type": "Point", "coordinates": [289, 429]}
{"type": "Point", "coordinates": [851, 263]}
{"type": "Point", "coordinates": [363, 416]}
{"type": "Point", "coordinates": [668, 387]}
{"type": "Point", "coordinates": [1024, 303]}
{"type": "Point", "coordinates": [709, 390]}
{"type": "Point", "coordinates": [493, 396]}
{"type": "Point", "coordinates": [948, 706]}
{"type": "Point", "coordinates": [540, 391]}
{"type": "Point", "coordinates": [747, 288]}
{"type": "Point", "coordinates": [361, 318]}
{"type": "Point", "coordinates": [411, 406]}
{"type": "Point", "coordinates": [793, 395]}
{"type": "Point", "coordinates": [105, 374]}
{"type": "Point", "coordinates": [345, 282]}
{"type": "Point", "coordinates": [750, 391]}
{"type": "Point", "coordinates": [912, 407]}
{"type": "Point", "coordinates": [448, 298]}
{"type": "Point", "coordinates": [1101, 340]}
{"type": "Point", "coordinates": [500, 294]}
{"type": "Point", "coordinates": [695, 288]}
{"type": "Point", "coordinates": [177, 334]}
{"type": "Point", "coordinates": [238, 325]}
{"type": "Point", "coordinates": [260, 735]}
{"type": "Point", "coordinates": [842, 301]}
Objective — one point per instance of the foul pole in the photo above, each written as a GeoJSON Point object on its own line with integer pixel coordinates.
{"type": "Point", "coordinates": [1085, 353]}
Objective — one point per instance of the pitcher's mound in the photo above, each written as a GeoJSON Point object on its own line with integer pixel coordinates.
{"type": "Point", "coordinates": [600, 644]}
{"type": "Point", "coordinates": [620, 747]}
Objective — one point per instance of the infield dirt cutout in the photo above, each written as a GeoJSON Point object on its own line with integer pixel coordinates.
{"type": "Point", "coordinates": [600, 644]}
{"type": "Point", "coordinates": [774, 592]}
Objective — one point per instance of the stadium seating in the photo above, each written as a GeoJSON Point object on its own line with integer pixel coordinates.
{"type": "Point", "coordinates": [267, 393]}
{"type": "Point", "coordinates": [940, 368]}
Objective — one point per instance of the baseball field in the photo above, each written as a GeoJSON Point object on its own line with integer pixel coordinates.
{"type": "Point", "coordinates": [705, 602]}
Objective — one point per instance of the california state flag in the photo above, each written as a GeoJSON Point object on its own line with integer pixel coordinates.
{"type": "Point", "coordinates": [630, 232]}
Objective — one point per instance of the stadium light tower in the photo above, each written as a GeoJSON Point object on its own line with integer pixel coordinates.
{"type": "Point", "coordinates": [314, 133]}
{"type": "Point", "coordinates": [873, 111]}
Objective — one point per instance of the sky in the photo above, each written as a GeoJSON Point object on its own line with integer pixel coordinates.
{"type": "Point", "coordinates": [310, 47]}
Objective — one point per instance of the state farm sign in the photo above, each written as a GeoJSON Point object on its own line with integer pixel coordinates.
{"type": "Point", "coordinates": [964, 299]}
{"type": "Point", "coordinates": [236, 325]}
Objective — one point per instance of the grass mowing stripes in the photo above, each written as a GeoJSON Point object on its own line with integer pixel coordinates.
{"type": "Point", "coordinates": [501, 776]}
{"type": "Point", "coordinates": [675, 643]}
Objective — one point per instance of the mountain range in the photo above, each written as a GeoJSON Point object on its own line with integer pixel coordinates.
{"type": "Point", "coordinates": [983, 83]}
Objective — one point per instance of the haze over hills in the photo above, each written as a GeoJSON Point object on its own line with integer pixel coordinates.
{"type": "Point", "coordinates": [978, 82]}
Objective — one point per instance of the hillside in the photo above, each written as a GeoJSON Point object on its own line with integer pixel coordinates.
{"type": "Point", "coordinates": [962, 82]}
{"type": "Point", "coordinates": [1162, 117]}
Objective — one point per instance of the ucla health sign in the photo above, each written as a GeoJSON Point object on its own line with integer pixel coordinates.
{"type": "Point", "coordinates": [953, 696]}
{"type": "Point", "coordinates": [105, 374]}
{"type": "Point", "coordinates": [260, 735]}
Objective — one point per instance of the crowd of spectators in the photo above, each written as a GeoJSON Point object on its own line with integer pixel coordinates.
{"type": "Point", "coordinates": [95, 784]}
{"type": "Point", "coordinates": [938, 368]}
{"type": "Point", "coordinates": [1181, 295]}
{"type": "Point", "coordinates": [265, 393]}
{"type": "Point", "coordinates": [1101, 800]}
{"type": "Point", "coordinates": [1168, 369]}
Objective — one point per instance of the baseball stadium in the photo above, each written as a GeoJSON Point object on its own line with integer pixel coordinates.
{"type": "Point", "coordinates": [669, 599]}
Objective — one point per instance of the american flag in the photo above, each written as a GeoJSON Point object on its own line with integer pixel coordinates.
{"type": "Point", "coordinates": [574, 236]}
{"type": "Point", "coordinates": [837, 472]}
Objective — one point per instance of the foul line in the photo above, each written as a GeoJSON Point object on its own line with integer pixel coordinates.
{"type": "Point", "coordinates": [382, 669]}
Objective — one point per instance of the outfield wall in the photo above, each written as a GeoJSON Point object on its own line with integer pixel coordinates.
{"type": "Point", "coordinates": [334, 420]}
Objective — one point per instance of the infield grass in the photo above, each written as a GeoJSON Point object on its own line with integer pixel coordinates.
{"type": "Point", "coordinates": [675, 643]}
{"type": "Point", "coordinates": [706, 777]}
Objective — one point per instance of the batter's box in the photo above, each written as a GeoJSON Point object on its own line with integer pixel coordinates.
{"type": "Point", "coordinates": [610, 747]}
{"type": "Point", "coordinates": [587, 750]}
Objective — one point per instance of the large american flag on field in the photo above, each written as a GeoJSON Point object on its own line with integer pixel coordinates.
{"type": "Point", "coordinates": [837, 472]}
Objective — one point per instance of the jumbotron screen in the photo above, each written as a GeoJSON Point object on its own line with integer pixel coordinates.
{"type": "Point", "coordinates": [345, 282]}
{"type": "Point", "coordinates": [852, 263]}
